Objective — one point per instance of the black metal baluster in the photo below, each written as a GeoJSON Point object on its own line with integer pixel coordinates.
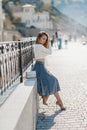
{"type": "Point", "coordinates": [20, 63]}
{"type": "Point", "coordinates": [31, 53]}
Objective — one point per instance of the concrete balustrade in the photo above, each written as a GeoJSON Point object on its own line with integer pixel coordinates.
{"type": "Point", "coordinates": [19, 112]}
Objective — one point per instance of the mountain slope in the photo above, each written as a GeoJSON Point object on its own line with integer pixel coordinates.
{"type": "Point", "coordinates": [76, 10]}
{"type": "Point", "coordinates": [65, 23]}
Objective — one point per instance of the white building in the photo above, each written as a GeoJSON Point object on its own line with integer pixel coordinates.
{"type": "Point", "coordinates": [30, 17]}
{"type": "Point", "coordinates": [28, 13]}
{"type": "Point", "coordinates": [42, 20]}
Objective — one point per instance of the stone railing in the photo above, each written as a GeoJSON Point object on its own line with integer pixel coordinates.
{"type": "Point", "coordinates": [19, 112]}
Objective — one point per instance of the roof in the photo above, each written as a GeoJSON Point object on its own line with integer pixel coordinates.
{"type": "Point", "coordinates": [28, 5]}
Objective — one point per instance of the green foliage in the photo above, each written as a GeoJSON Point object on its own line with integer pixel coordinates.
{"type": "Point", "coordinates": [14, 1]}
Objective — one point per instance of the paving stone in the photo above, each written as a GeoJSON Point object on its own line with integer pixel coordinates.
{"type": "Point", "coordinates": [70, 67]}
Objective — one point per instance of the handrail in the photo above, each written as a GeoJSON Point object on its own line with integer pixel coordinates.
{"type": "Point", "coordinates": [15, 58]}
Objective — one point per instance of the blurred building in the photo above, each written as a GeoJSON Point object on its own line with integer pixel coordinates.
{"type": "Point", "coordinates": [31, 18]}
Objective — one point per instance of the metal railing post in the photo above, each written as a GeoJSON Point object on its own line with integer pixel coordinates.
{"type": "Point", "coordinates": [31, 54]}
{"type": "Point", "coordinates": [20, 63]}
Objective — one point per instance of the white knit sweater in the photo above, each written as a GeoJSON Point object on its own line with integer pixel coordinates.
{"type": "Point", "coordinates": [41, 52]}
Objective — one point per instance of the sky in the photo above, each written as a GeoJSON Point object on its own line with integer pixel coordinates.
{"type": "Point", "coordinates": [76, 9]}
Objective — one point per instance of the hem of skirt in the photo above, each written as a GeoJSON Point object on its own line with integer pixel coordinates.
{"type": "Point", "coordinates": [48, 94]}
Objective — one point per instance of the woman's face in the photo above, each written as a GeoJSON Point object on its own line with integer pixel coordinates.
{"type": "Point", "coordinates": [43, 39]}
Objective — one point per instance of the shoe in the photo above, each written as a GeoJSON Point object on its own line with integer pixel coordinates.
{"type": "Point", "coordinates": [62, 108]}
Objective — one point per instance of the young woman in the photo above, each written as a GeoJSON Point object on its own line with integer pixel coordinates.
{"type": "Point", "coordinates": [47, 84]}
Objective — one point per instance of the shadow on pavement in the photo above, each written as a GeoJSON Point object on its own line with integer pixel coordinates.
{"type": "Point", "coordinates": [46, 121]}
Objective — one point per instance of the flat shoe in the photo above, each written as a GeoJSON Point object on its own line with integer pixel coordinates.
{"type": "Point", "coordinates": [63, 109]}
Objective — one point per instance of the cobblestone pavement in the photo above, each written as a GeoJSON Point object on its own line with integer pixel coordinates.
{"type": "Point", "coordinates": [70, 67]}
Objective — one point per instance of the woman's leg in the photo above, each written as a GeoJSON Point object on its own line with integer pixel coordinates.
{"type": "Point", "coordinates": [59, 101]}
{"type": "Point", "coordinates": [45, 98]}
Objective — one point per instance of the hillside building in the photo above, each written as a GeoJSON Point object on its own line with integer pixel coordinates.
{"type": "Point", "coordinates": [31, 18]}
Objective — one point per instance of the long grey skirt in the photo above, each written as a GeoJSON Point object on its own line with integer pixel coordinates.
{"type": "Point", "coordinates": [47, 84]}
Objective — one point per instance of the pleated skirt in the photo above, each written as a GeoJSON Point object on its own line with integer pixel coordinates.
{"type": "Point", "coordinates": [47, 84]}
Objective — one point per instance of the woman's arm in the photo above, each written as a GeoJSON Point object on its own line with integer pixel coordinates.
{"type": "Point", "coordinates": [46, 50]}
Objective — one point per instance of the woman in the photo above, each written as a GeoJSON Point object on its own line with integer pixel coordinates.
{"type": "Point", "coordinates": [47, 84]}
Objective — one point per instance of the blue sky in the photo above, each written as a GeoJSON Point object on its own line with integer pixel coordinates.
{"type": "Point", "coordinates": [76, 9]}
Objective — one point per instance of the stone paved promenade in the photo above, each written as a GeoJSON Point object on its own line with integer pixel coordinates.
{"type": "Point", "coordinates": [70, 67]}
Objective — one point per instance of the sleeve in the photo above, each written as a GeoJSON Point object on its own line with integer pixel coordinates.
{"type": "Point", "coordinates": [46, 50]}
